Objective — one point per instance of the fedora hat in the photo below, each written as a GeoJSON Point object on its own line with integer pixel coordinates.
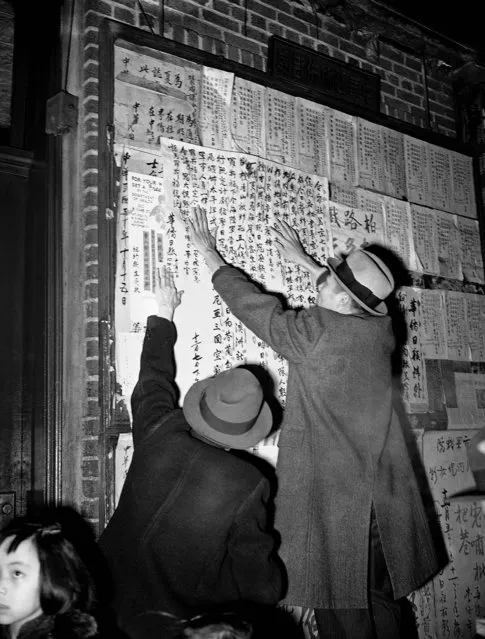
{"type": "Point", "coordinates": [365, 277]}
{"type": "Point", "coordinates": [229, 409]}
{"type": "Point", "coordinates": [476, 459]}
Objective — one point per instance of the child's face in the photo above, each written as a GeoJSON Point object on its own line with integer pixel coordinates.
{"type": "Point", "coordinates": [19, 584]}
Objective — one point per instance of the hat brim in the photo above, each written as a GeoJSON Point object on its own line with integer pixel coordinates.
{"type": "Point", "coordinates": [257, 432]}
{"type": "Point", "coordinates": [380, 309]}
{"type": "Point", "coordinates": [468, 495]}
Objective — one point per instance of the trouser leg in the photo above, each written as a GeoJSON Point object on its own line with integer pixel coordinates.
{"type": "Point", "coordinates": [344, 623]}
{"type": "Point", "coordinates": [386, 618]}
{"type": "Point", "coordinates": [385, 610]}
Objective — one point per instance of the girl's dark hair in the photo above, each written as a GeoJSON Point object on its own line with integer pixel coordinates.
{"type": "Point", "coordinates": [65, 581]}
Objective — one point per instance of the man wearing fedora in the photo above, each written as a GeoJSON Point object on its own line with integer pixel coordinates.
{"type": "Point", "coordinates": [355, 539]}
{"type": "Point", "coordinates": [191, 532]}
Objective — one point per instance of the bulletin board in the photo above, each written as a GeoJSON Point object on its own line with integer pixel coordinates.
{"type": "Point", "coordinates": [187, 129]}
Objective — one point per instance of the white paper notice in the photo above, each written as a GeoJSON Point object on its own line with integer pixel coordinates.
{"type": "Point", "coordinates": [425, 237]}
{"type": "Point", "coordinates": [354, 228]}
{"type": "Point", "coordinates": [463, 185]}
{"type": "Point", "coordinates": [123, 456]}
{"type": "Point", "coordinates": [370, 202]}
{"type": "Point", "coordinates": [456, 339]}
{"type": "Point", "coordinates": [433, 333]}
{"type": "Point", "coordinates": [470, 399]}
{"type": "Point", "coordinates": [248, 117]}
{"type": "Point", "coordinates": [455, 595]}
{"type": "Point", "coordinates": [343, 148]}
{"type": "Point", "coordinates": [143, 235]}
{"type": "Point", "coordinates": [441, 178]}
{"type": "Point", "coordinates": [416, 154]}
{"type": "Point", "coordinates": [413, 377]}
{"type": "Point", "coordinates": [281, 128]}
{"type": "Point", "coordinates": [471, 250]}
{"type": "Point", "coordinates": [241, 194]}
{"type": "Point", "coordinates": [475, 326]}
{"type": "Point", "coordinates": [343, 194]}
{"type": "Point", "coordinates": [214, 121]}
{"type": "Point", "coordinates": [449, 253]}
{"type": "Point", "coordinates": [399, 231]}
{"type": "Point", "coordinates": [127, 361]}
{"type": "Point", "coordinates": [370, 155]}
{"type": "Point", "coordinates": [394, 164]}
{"type": "Point", "coordinates": [313, 137]}
{"type": "Point", "coordinates": [155, 98]}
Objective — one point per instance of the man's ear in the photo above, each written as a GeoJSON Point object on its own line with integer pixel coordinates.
{"type": "Point", "coordinates": [344, 302]}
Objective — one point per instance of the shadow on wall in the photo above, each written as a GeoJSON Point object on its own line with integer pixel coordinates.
{"type": "Point", "coordinates": [402, 277]}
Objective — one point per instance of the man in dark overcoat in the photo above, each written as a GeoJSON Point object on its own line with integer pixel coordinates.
{"type": "Point", "coordinates": [355, 538]}
{"type": "Point", "coordinates": [191, 532]}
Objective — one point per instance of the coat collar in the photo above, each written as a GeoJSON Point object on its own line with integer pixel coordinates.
{"type": "Point", "coordinates": [74, 625]}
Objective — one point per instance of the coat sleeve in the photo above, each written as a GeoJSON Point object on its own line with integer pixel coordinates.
{"type": "Point", "coordinates": [291, 333]}
{"type": "Point", "coordinates": [155, 394]}
{"type": "Point", "coordinates": [256, 567]}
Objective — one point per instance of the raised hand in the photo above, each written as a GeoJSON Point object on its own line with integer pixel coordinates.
{"type": "Point", "coordinates": [290, 247]}
{"type": "Point", "coordinates": [203, 240]}
{"type": "Point", "coordinates": [166, 293]}
{"type": "Point", "coordinates": [287, 242]}
{"type": "Point", "coordinates": [199, 232]}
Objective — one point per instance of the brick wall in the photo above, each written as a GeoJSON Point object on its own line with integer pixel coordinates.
{"type": "Point", "coordinates": [6, 61]}
{"type": "Point", "coordinates": [415, 88]}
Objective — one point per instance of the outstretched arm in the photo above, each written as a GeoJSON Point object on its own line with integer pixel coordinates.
{"type": "Point", "coordinates": [285, 238]}
{"type": "Point", "coordinates": [290, 247]}
{"type": "Point", "coordinates": [204, 241]}
{"type": "Point", "coordinates": [260, 311]}
{"type": "Point", "coordinates": [156, 394]}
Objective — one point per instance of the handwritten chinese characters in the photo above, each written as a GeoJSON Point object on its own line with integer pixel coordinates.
{"type": "Point", "coordinates": [413, 377]}
{"type": "Point", "coordinates": [456, 592]}
{"type": "Point", "coordinates": [242, 196]}
{"type": "Point", "coordinates": [354, 228]}
{"type": "Point", "coordinates": [155, 98]}
{"type": "Point", "coordinates": [214, 121]}
{"type": "Point", "coordinates": [248, 119]}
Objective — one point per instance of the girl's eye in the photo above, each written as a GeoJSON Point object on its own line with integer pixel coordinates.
{"type": "Point", "coordinates": [17, 574]}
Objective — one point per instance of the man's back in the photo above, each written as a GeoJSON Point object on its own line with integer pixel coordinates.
{"type": "Point", "coordinates": [191, 530]}
{"type": "Point", "coordinates": [340, 450]}
{"type": "Point", "coordinates": [173, 540]}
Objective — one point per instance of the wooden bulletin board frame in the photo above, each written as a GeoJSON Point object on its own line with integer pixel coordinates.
{"type": "Point", "coordinates": [112, 33]}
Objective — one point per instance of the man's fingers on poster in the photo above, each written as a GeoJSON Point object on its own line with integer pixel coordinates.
{"type": "Point", "coordinates": [290, 232]}
{"type": "Point", "coordinates": [165, 277]}
{"type": "Point", "coordinates": [277, 237]}
{"type": "Point", "coordinates": [199, 231]}
{"type": "Point", "coordinates": [283, 237]}
{"type": "Point", "coordinates": [168, 275]}
{"type": "Point", "coordinates": [159, 276]}
{"type": "Point", "coordinates": [285, 233]}
{"type": "Point", "coordinates": [199, 220]}
{"type": "Point", "coordinates": [196, 221]}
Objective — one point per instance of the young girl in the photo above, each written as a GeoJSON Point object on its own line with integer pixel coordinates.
{"type": "Point", "coordinates": [46, 591]}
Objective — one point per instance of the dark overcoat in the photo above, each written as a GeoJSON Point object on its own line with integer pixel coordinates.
{"type": "Point", "coordinates": [341, 449]}
{"type": "Point", "coordinates": [191, 529]}
{"type": "Point", "coordinates": [71, 625]}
